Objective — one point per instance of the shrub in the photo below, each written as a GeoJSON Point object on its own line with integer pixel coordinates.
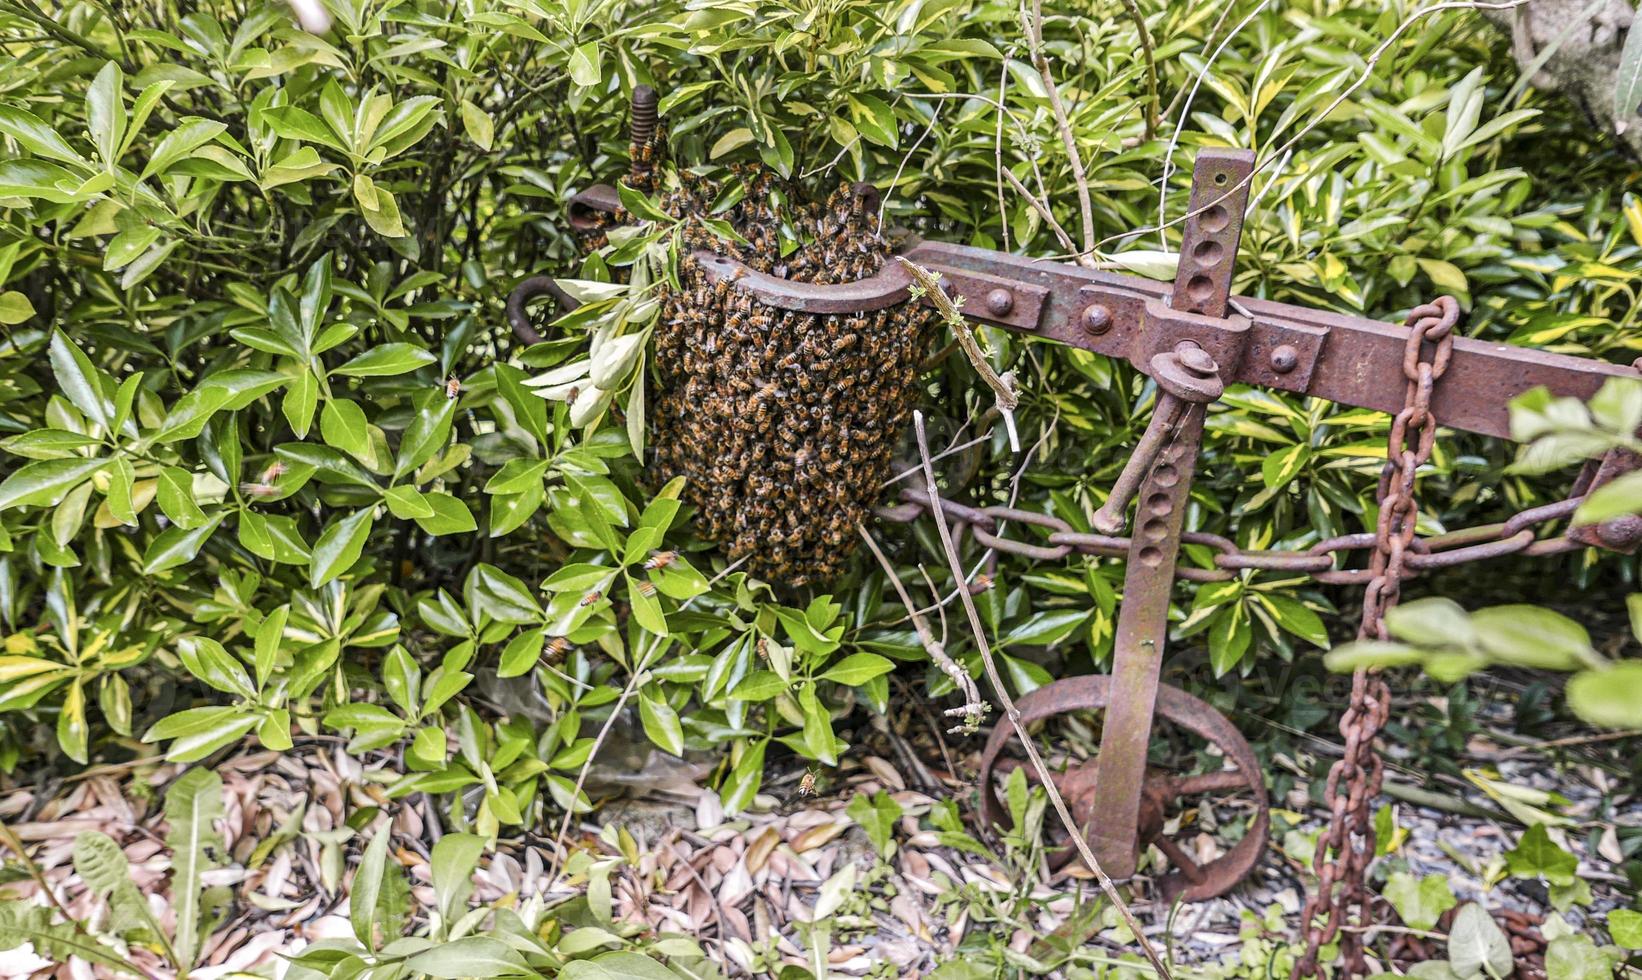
{"type": "Point", "coordinates": [273, 463]}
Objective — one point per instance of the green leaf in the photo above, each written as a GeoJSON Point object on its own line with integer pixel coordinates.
{"type": "Point", "coordinates": [584, 65]}
{"type": "Point", "coordinates": [1419, 902]}
{"type": "Point", "coordinates": [193, 805]}
{"type": "Point", "coordinates": [1625, 926]}
{"type": "Point", "coordinates": [454, 859]}
{"type": "Point", "coordinates": [661, 723]}
{"type": "Point", "coordinates": [450, 516]}
{"type": "Point", "coordinates": [34, 134]}
{"type": "Point", "coordinates": [521, 653]}
{"type": "Point", "coordinates": [877, 816]}
{"type": "Point", "coordinates": [365, 894]}
{"type": "Point", "coordinates": [470, 956]}
{"type": "Point", "coordinates": [80, 380]}
{"type": "Point", "coordinates": [407, 503]}
{"type": "Point", "coordinates": [1477, 944]}
{"type": "Point", "coordinates": [342, 424]}
{"type": "Point", "coordinates": [1627, 96]}
{"type": "Point", "coordinates": [301, 398]}
{"type": "Point", "coordinates": [760, 685]}
{"type": "Point", "coordinates": [858, 668]}
{"type": "Point", "coordinates": [43, 483]}
{"type": "Point", "coordinates": [477, 125]}
{"type": "Point", "coordinates": [177, 546]}
{"type": "Point", "coordinates": [1610, 698]}
{"type": "Point", "coordinates": [180, 142]}
{"type": "Point", "coordinates": [1576, 957]}
{"type": "Point", "coordinates": [384, 360]}
{"type": "Point", "coordinates": [339, 546]}
{"type": "Point", "coordinates": [428, 431]}
{"type": "Point", "coordinates": [1529, 636]}
{"type": "Point", "coordinates": [1616, 498]}
{"type": "Point", "coordinates": [105, 112]}
{"type": "Point", "coordinates": [198, 732]}
{"type": "Point", "coordinates": [188, 414]}
{"type": "Point", "coordinates": [646, 607]}
{"type": "Point", "coordinates": [1432, 621]}
{"type": "Point", "coordinates": [102, 864]}
{"type": "Point", "coordinates": [14, 307]}
{"type": "Point", "coordinates": [206, 659]}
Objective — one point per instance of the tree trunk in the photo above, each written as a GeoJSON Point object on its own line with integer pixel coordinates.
{"type": "Point", "coordinates": [1572, 47]}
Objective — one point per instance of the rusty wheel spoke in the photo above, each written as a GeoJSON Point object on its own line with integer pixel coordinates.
{"type": "Point", "coordinates": [1177, 857]}
{"type": "Point", "coordinates": [1224, 781]}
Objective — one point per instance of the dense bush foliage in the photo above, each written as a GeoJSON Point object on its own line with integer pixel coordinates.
{"type": "Point", "coordinates": [273, 465]}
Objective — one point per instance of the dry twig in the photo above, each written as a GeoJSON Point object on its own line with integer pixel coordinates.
{"type": "Point", "coordinates": [1034, 38]}
{"type": "Point", "coordinates": [973, 709]}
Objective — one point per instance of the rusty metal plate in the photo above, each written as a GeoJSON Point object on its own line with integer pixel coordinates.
{"type": "Point", "coordinates": [1214, 224]}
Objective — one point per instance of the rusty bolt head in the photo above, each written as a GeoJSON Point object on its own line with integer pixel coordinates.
{"type": "Point", "coordinates": [1196, 360]}
{"type": "Point", "coordinates": [1621, 533]}
{"type": "Point", "coordinates": [1000, 301]}
{"type": "Point", "coordinates": [1284, 359]}
{"type": "Point", "coordinates": [1097, 319]}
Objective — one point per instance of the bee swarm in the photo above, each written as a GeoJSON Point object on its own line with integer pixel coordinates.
{"type": "Point", "coordinates": [782, 423]}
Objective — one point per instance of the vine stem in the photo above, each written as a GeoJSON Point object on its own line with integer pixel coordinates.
{"type": "Point", "coordinates": [1013, 713]}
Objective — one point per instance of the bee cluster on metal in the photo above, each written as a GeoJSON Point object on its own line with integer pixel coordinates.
{"type": "Point", "coordinates": [783, 423]}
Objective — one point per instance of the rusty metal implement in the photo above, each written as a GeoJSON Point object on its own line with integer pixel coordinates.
{"type": "Point", "coordinates": [1194, 338]}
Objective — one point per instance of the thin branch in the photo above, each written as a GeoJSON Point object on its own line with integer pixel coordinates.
{"type": "Point", "coordinates": [1034, 37]}
{"type": "Point", "coordinates": [1150, 115]}
{"type": "Point", "coordinates": [974, 709]}
{"type": "Point", "coordinates": [1014, 715]}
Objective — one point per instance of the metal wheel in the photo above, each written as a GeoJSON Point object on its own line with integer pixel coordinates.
{"type": "Point", "coordinates": [1168, 792]}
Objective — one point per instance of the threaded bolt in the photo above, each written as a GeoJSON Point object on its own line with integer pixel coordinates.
{"type": "Point", "coordinates": [642, 115]}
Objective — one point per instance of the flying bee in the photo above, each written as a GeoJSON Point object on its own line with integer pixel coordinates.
{"type": "Point", "coordinates": [263, 486]}
{"type": "Point", "coordinates": [646, 588]}
{"type": "Point", "coordinates": [555, 650]}
{"type": "Point", "coordinates": [659, 559]}
{"type": "Point", "coordinates": [453, 387]}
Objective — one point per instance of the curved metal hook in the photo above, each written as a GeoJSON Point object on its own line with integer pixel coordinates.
{"type": "Point", "coordinates": [528, 292]}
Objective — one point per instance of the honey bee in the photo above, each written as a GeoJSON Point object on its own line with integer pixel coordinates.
{"type": "Point", "coordinates": [659, 559]}
{"type": "Point", "coordinates": [555, 650]}
{"type": "Point", "coordinates": [806, 783]}
{"type": "Point", "coordinates": [590, 598]}
{"type": "Point", "coordinates": [646, 588]}
{"type": "Point", "coordinates": [453, 387]}
{"type": "Point", "coordinates": [263, 486]}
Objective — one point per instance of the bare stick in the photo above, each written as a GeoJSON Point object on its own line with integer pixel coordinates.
{"type": "Point", "coordinates": [1014, 715]}
{"type": "Point", "coordinates": [1034, 38]}
{"type": "Point", "coordinates": [974, 709]}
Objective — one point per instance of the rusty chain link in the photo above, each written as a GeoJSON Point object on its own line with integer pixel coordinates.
{"type": "Point", "coordinates": [1342, 855]}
